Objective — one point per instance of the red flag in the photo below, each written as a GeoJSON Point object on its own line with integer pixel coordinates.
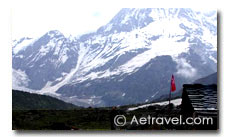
{"type": "Point", "coordinates": [173, 86]}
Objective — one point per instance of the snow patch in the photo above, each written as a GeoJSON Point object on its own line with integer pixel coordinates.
{"type": "Point", "coordinates": [64, 58]}
{"type": "Point", "coordinates": [123, 94]}
{"type": "Point", "coordinates": [155, 94]}
{"type": "Point", "coordinates": [52, 89]}
{"type": "Point", "coordinates": [176, 102]}
{"type": "Point", "coordinates": [19, 79]}
{"type": "Point", "coordinates": [108, 27]}
{"type": "Point", "coordinates": [23, 45]}
{"type": "Point", "coordinates": [213, 59]}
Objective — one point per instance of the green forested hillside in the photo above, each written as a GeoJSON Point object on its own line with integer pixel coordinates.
{"type": "Point", "coordinates": [29, 101]}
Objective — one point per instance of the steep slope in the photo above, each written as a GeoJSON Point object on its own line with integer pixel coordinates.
{"type": "Point", "coordinates": [46, 60]}
{"type": "Point", "coordinates": [208, 80]}
{"type": "Point", "coordinates": [125, 71]}
{"type": "Point", "coordinates": [29, 101]}
{"type": "Point", "coordinates": [128, 60]}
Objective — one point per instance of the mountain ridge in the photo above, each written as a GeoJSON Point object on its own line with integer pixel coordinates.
{"type": "Point", "coordinates": [209, 80]}
{"type": "Point", "coordinates": [97, 68]}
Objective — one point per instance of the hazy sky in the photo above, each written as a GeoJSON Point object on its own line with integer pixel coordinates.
{"type": "Point", "coordinates": [34, 18]}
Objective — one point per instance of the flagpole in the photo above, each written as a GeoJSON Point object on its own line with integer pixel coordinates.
{"type": "Point", "coordinates": [170, 94]}
{"type": "Point", "coordinates": [170, 90]}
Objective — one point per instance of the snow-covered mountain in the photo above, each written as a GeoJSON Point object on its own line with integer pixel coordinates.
{"type": "Point", "coordinates": [129, 60]}
{"type": "Point", "coordinates": [45, 59]}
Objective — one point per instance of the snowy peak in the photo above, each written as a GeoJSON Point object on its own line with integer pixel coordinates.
{"type": "Point", "coordinates": [46, 60]}
{"type": "Point", "coordinates": [137, 50]}
{"type": "Point", "coordinates": [127, 20]}
{"type": "Point", "coordinates": [55, 34]}
{"type": "Point", "coordinates": [23, 43]}
{"type": "Point", "coordinates": [130, 19]}
{"type": "Point", "coordinates": [16, 42]}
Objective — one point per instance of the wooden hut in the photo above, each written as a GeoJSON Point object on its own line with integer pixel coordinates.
{"type": "Point", "coordinates": [200, 101]}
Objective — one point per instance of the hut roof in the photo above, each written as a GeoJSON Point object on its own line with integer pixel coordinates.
{"type": "Point", "coordinates": [203, 98]}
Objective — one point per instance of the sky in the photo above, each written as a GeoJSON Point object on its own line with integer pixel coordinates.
{"type": "Point", "coordinates": [71, 17]}
{"type": "Point", "coordinates": [34, 18]}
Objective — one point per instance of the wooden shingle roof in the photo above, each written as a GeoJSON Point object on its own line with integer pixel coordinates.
{"type": "Point", "coordinates": [203, 98]}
